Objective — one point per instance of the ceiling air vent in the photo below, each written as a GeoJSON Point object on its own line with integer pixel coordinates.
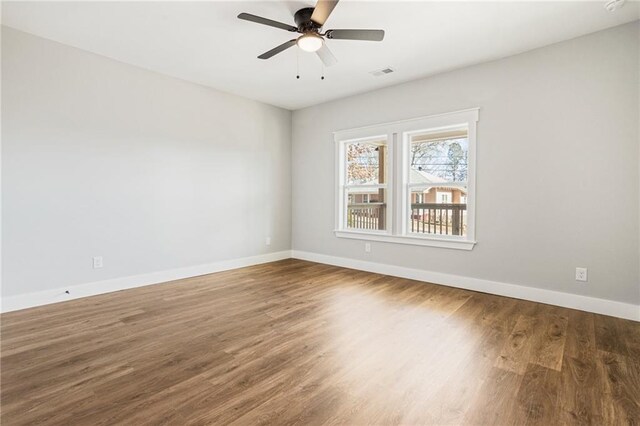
{"type": "Point", "coordinates": [383, 71]}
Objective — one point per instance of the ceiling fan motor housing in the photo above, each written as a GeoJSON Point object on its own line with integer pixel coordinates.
{"type": "Point", "coordinates": [304, 22]}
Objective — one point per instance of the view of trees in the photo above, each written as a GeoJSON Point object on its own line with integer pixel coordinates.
{"type": "Point", "coordinates": [362, 163]}
{"type": "Point", "coordinates": [446, 159]}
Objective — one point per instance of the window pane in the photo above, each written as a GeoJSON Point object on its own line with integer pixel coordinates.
{"type": "Point", "coordinates": [438, 210]}
{"type": "Point", "coordinates": [366, 163]}
{"type": "Point", "coordinates": [438, 157]}
{"type": "Point", "coordinates": [366, 208]}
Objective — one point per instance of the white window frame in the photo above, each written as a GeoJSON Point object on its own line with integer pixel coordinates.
{"type": "Point", "coordinates": [398, 136]}
{"type": "Point", "coordinates": [343, 187]}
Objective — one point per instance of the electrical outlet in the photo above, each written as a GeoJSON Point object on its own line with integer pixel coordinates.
{"type": "Point", "coordinates": [367, 247]}
{"type": "Point", "coordinates": [267, 241]}
{"type": "Point", "coordinates": [581, 274]}
{"type": "Point", "coordinates": [97, 262]}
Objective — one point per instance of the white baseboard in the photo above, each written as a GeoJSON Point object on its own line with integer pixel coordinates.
{"type": "Point", "coordinates": [567, 300]}
{"type": "Point", "coordinates": [23, 301]}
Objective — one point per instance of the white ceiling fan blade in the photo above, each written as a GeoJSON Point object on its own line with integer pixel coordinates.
{"type": "Point", "coordinates": [326, 56]}
{"type": "Point", "coordinates": [322, 11]}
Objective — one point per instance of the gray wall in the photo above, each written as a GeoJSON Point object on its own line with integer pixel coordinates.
{"type": "Point", "coordinates": [153, 173]}
{"type": "Point", "coordinates": [557, 166]}
{"type": "Point", "coordinates": [150, 172]}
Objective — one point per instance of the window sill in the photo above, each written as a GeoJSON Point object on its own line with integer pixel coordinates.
{"type": "Point", "coordinates": [449, 243]}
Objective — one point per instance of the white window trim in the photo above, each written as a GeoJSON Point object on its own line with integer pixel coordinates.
{"type": "Point", "coordinates": [341, 193]}
{"type": "Point", "coordinates": [397, 135]}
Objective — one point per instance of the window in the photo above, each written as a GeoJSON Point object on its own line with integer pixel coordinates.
{"type": "Point", "coordinates": [409, 182]}
{"type": "Point", "coordinates": [443, 197]}
{"type": "Point", "coordinates": [365, 184]}
{"type": "Point", "coordinates": [438, 165]}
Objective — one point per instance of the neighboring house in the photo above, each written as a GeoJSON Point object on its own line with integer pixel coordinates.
{"type": "Point", "coordinates": [365, 196]}
{"type": "Point", "coordinates": [436, 190]}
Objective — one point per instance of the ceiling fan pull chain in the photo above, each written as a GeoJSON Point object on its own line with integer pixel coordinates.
{"type": "Point", "coordinates": [321, 70]}
{"type": "Point", "coordinates": [297, 64]}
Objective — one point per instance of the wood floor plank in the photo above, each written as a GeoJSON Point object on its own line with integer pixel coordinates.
{"type": "Point", "coordinates": [295, 342]}
{"type": "Point", "coordinates": [549, 349]}
{"type": "Point", "coordinates": [517, 350]}
{"type": "Point", "coordinates": [581, 382]}
{"type": "Point", "coordinates": [611, 336]}
{"type": "Point", "coordinates": [538, 396]}
{"type": "Point", "coordinates": [631, 333]}
{"type": "Point", "coordinates": [495, 403]}
{"type": "Point", "coordinates": [621, 394]}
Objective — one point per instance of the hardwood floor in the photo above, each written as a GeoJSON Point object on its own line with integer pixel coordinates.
{"type": "Point", "coordinates": [299, 342]}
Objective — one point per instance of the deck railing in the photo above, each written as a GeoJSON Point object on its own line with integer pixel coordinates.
{"type": "Point", "coordinates": [366, 216]}
{"type": "Point", "coordinates": [442, 219]}
{"type": "Point", "coordinates": [426, 218]}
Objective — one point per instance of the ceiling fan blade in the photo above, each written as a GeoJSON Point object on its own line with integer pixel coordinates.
{"type": "Point", "coordinates": [322, 11]}
{"type": "Point", "coordinates": [326, 56]}
{"type": "Point", "coordinates": [370, 35]}
{"type": "Point", "coordinates": [265, 21]}
{"type": "Point", "coordinates": [276, 50]}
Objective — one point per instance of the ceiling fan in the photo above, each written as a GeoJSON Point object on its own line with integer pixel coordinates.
{"type": "Point", "coordinates": [309, 22]}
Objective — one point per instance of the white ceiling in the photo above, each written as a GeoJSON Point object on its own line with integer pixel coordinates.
{"type": "Point", "coordinates": [205, 43]}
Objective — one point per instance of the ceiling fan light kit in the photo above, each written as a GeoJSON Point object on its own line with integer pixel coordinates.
{"type": "Point", "coordinates": [309, 22]}
{"type": "Point", "coordinates": [310, 42]}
